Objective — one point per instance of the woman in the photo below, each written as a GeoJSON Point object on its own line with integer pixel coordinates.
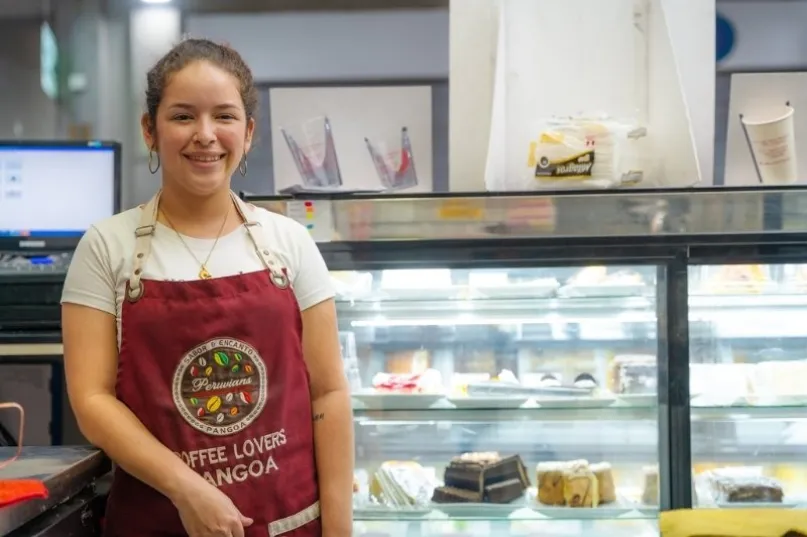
{"type": "Point", "coordinates": [201, 347]}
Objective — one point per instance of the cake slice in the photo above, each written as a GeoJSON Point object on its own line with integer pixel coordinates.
{"type": "Point", "coordinates": [455, 495]}
{"type": "Point", "coordinates": [650, 493]}
{"type": "Point", "coordinates": [550, 483]}
{"type": "Point", "coordinates": [505, 491]}
{"type": "Point", "coordinates": [487, 476]}
{"type": "Point", "coordinates": [580, 487]}
{"type": "Point", "coordinates": [605, 482]}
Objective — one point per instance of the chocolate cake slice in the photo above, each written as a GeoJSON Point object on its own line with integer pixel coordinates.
{"type": "Point", "coordinates": [504, 492]}
{"type": "Point", "coordinates": [480, 473]}
{"type": "Point", "coordinates": [455, 495]}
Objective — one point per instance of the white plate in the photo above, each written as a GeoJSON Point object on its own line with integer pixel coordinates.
{"type": "Point", "coordinates": [483, 403]}
{"type": "Point", "coordinates": [479, 510]}
{"type": "Point", "coordinates": [515, 290]}
{"type": "Point", "coordinates": [380, 512]}
{"type": "Point", "coordinates": [602, 290]}
{"type": "Point", "coordinates": [394, 401]}
{"type": "Point", "coordinates": [603, 512]}
{"type": "Point", "coordinates": [574, 402]}
{"type": "Point", "coordinates": [757, 505]}
{"type": "Point", "coordinates": [643, 399]}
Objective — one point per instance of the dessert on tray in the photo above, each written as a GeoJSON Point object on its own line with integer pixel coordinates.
{"type": "Point", "coordinates": [502, 385]}
{"type": "Point", "coordinates": [429, 381]}
{"type": "Point", "coordinates": [634, 374]}
{"type": "Point", "coordinates": [483, 478]}
{"type": "Point", "coordinates": [575, 484]}
{"type": "Point", "coordinates": [650, 492]}
{"type": "Point", "coordinates": [401, 484]}
{"type": "Point", "coordinates": [743, 485]}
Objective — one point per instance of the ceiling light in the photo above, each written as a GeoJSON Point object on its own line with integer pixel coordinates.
{"type": "Point", "coordinates": [156, 1]}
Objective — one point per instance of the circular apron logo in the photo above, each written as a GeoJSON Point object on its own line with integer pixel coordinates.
{"type": "Point", "coordinates": [220, 386]}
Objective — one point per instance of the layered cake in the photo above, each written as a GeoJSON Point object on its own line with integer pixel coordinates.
{"type": "Point", "coordinates": [401, 484]}
{"type": "Point", "coordinates": [635, 374]}
{"type": "Point", "coordinates": [483, 478]}
{"type": "Point", "coordinates": [575, 484]}
{"type": "Point", "coordinates": [746, 489]}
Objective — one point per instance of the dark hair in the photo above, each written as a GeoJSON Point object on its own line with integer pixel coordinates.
{"type": "Point", "coordinates": [193, 50]}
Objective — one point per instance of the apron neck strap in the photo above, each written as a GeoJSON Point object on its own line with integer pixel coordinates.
{"type": "Point", "coordinates": [148, 224]}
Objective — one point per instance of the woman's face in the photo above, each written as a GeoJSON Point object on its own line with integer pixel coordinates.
{"type": "Point", "coordinates": [202, 131]}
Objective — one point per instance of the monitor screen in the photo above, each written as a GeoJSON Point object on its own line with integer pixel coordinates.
{"type": "Point", "coordinates": [56, 191]}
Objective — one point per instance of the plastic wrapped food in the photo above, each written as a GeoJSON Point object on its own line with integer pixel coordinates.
{"type": "Point", "coordinates": [745, 489]}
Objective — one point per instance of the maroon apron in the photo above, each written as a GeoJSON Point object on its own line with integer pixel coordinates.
{"type": "Point", "coordinates": [214, 369]}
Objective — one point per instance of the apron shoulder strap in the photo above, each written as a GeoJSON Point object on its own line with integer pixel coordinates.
{"type": "Point", "coordinates": [269, 259]}
{"type": "Point", "coordinates": [142, 249]}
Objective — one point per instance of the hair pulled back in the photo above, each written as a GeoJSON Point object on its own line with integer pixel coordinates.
{"type": "Point", "coordinates": [188, 52]}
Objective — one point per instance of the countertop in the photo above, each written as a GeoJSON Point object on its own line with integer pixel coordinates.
{"type": "Point", "coordinates": [65, 471]}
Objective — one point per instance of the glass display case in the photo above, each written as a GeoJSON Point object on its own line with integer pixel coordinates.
{"type": "Point", "coordinates": [566, 364]}
{"type": "Point", "coordinates": [546, 375]}
{"type": "Point", "coordinates": [747, 383]}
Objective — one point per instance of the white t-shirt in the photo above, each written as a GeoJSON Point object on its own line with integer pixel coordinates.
{"type": "Point", "coordinates": [102, 262]}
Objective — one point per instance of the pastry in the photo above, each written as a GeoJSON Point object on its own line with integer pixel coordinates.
{"type": "Point", "coordinates": [429, 381]}
{"type": "Point", "coordinates": [650, 490]}
{"type": "Point", "coordinates": [605, 482]}
{"type": "Point", "coordinates": [585, 380]}
{"type": "Point", "coordinates": [455, 495]}
{"type": "Point", "coordinates": [580, 487]}
{"type": "Point", "coordinates": [635, 374]}
{"type": "Point", "coordinates": [550, 483]}
{"type": "Point", "coordinates": [485, 477]}
{"type": "Point", "coordinates": [575, 484]}
{"type": "Point", "coordinates": [504, 491]}
{"type": "Point", "coordinates": [400, 484]}
{"type": "Point", "coordinates": [549, 381]}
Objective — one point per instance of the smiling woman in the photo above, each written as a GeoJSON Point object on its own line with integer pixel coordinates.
{"type": "Point", "coordinates": [200, 334]}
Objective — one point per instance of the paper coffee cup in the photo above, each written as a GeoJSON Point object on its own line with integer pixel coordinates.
{"type": "Point", "coordinates": [773, 144]}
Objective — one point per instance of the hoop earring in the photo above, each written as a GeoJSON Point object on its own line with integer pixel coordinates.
{"type": "Point", "coordinates": [242, 167]}
{"type": "Point", "coordinates": [153, 169]}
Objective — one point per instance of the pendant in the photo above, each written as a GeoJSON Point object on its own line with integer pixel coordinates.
{"type": "Point", "coordinates": [204, 274]}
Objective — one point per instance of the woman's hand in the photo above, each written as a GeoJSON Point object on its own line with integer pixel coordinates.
{"type": "Point", "coordinates": [206, 511]}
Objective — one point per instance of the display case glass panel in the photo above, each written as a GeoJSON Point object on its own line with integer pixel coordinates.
{"type": "Point", "coordinates": [747, 381]}
{"type": "Point", "coordinates": [496, 401]}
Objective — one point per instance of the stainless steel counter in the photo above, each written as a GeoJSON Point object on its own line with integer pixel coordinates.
{"type": "Point", "coordinates": [65, 471]}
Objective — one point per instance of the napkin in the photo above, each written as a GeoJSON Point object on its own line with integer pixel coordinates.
{"type": "Point", "coordinates": [14, 491]}
{"type": "Point", "coordinates": [734, 523]}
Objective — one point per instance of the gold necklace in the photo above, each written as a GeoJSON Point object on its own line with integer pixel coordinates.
{"type": "Point", "coordinates": [204, 274]}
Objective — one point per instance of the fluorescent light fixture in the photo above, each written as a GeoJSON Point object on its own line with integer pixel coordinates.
{"type": "Point", "coordinates": [156, 1]}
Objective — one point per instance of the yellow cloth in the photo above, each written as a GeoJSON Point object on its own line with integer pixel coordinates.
{"type": "Point", "coordinates": [733, 523]}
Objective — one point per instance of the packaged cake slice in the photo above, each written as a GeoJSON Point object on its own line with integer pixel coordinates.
{"type": "Point", "coordinates": [737, 486]}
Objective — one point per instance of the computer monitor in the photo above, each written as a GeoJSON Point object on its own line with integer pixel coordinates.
{"type": "Point", "coordinates": [52, 191]}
